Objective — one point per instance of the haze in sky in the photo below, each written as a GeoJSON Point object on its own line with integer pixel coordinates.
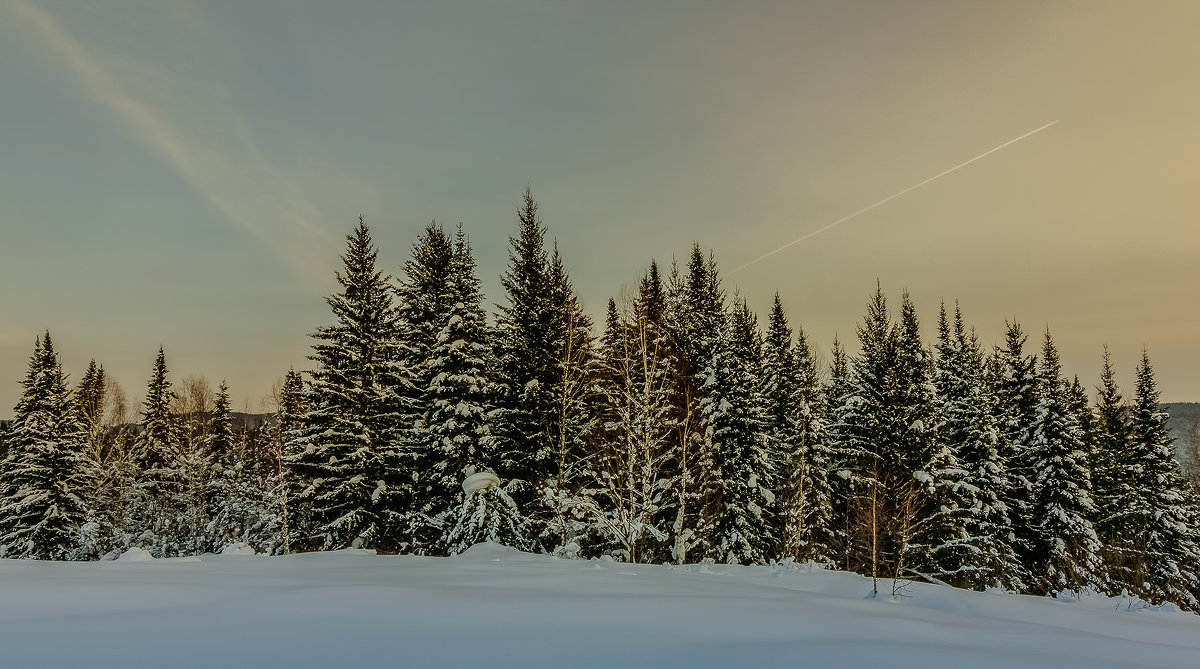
{"type": "Point", "coordinates": [183, 173]}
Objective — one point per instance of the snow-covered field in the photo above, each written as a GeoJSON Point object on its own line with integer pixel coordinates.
{"type": "Point", "coordinates": [492, 607]}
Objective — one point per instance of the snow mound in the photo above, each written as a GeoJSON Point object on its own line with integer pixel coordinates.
{"type": "Point", "coordinates": [488, 551]}
{"type": "Point", "coordinates": [135, 555]}
{"type": "Point", "coordinates": [239, 549]}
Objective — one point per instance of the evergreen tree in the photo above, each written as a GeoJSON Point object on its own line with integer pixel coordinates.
{"type": "Point", "coordinates": [928, 480]}
{"type": "Point", "coordinates": [969, 427]}
{"type": "Point", "coordinates": [535, 415]}
{"type": "Point", "coordinates": [1114, 489]}
{"type": "Point", "coordinates": [425, 304]}
{"type": "Point", "coordinates": [45, 478]}
{"type": "Point", "coordinates": [1162, 510]}
{"type": "Point", "coordinates": [232, 491]}
{"type": "Point", "coordinates": [289, 426]}
{"type": "Point", "coordinates": [806, 505]}
{"type": "Point", "coordinates": [158, 507]}
{"type": "Point", "coordinates": [349, 454]}
{"type": "Point", "coordinates": [742, 504]}
{"type": "Point", "coordinates": [1067, 550]}
{"type": "Point", "coordinates": [460, 394]}
{"type": "Point", "coordinates": [1014, 382]}
{"type": "Point", "coordinates": [863, 425]}
{"type": "Point", "coordinates": [696, 319]}
{"type": "Point", "coordinates": [489, 514]}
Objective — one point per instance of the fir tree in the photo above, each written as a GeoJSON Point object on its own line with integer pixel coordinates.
{"type": "Point", "coordinates": [695, 319]}
{"type": "Point", "coordinates": [576, 422]}
{"type": "Point", "coordinates": [1014, 382]}
{"type": "Point", "coordinates": [45, 478]}
{"type": "Point", "coordinates": [742, 504]}
{"type": "Point", "coordinates": [289, 427]}
{"type": "Point", "coordinates": [529, 342]}
{"type": "Point", "coordinates": [348, 456]}
{"type": "Point", "coordinates": [1067, 550]}
{"type": "Point", "coordinates": [460, 394]}
{"type": "Point", "coordinates": [805, 509]}
{"type": "Point", "coordinates": [969, 427]}
{"type": "Point", "coordinates": [231, 491]}
{"type": "Point", "coordinates": [928, 479]}
{"type": "Point", "coordinates": [1162, 510]}
{"type": "Point", "coordinates": [862, 425]}
{"type": "Point", "coordinates": [1114, 490]}
{"type": "Point", "coordinates": [489, 514]}
{"type": "Point", "coordinates": [158, 513]}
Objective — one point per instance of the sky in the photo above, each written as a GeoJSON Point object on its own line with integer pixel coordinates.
{"type": "Point", "coordinates": [183, 174]}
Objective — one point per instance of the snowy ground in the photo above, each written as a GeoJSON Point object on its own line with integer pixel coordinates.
{"type": "Point", "coordinates": [496, 608]}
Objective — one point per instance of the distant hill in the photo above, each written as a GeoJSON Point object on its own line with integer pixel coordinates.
{"type": "Point", "coordinates": [1184, 423]}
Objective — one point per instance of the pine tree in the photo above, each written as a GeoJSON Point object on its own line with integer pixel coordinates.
{"type": "Point", "coordinates": [1114, 490]}
{"type": "Point", "coordinates": [928, 479]}
{"type": "Point", "coordinates": [158, 506]}
{"type": "Point", "coordinates": [1162, 511]}
{"type": "Point", "coordinates": [838, 406]}
{"type": "Point", "coordinates": [289, 427]}
{"type": "Point", "coordinates": [1066, 553]}
{"type": "Point", "coordinates": [863, 427]}
{"type": "Point", "coordinates": [529, 342]}
{"type": "Point", "coordinates": [45, 478]}
{"type": "Point", "coordinates": [1013, 379]}
{"type": "Point", "coordinates": [232, 491]}
{"type": "Point", "coordinates": [969, 427]}
{"type": "Point", "coordinates": [460, 394]}
{"type": "Point", "coordinates": [348, 456]}
{"type": "Point", "coordinates": [742, 504]}
{"type": "Point", "coordinates": [489, 514]}
{"type": "Point", "coordinates": [425, 303]}
{"type": "Point", "coordinates": [695, 319]}
{"type": "Point", "coordinates": [796, 426]}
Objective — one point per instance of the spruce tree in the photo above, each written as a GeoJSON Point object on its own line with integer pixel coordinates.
{"type": "Point", "coordinates": [489, 514]}
{"type": "Point", "coordinates": [158, 506]}
{"type": "Point", "coordinates": [969, 427]}
{"type": "Point", "coordinates": [45, 479]}
{"type": "Point", "coordinates": [289, 426]}
{"type": "Point", "coordinates": [348, 456]}
{"type": "Point", "coordinates": [695, 319]}
{"type": "Point", "coordinates": [742, 504]}
{"type": "Point", "coordinates": [1163, 511]}
{"type": "Point", "coordinates": [232, 491]}
{"type": "Point", "coordinates": [1014, 382]}
{"type": "Point", "coordinates": [460, 394]}
{"type": "Point", "coordinates": [535, 417]}
{"type": "Point", "coordinates": [863, 426]}
{"type": "Point", "coordinates": [806, 505]}
{"type": "Point", "coordinates": [1066, 552]}
{"type": "Point", "coordinates": [928, 481]}
{"type": "Point", "coordinates": [1115, 491]}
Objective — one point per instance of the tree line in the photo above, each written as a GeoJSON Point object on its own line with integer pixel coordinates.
{"type": "Point", "coordinates": [681, 431]}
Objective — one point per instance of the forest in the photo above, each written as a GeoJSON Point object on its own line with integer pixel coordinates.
{"type": "Point", "coordinates": [678, 429]}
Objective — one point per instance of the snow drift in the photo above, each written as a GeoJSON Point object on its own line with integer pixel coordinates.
{"type": "Point", "coordinates": [493, 607]}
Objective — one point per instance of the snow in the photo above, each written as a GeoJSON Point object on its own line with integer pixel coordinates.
{"type": "Point", "coordinates": [493, 607]}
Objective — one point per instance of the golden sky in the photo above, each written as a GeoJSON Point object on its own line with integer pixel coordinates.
{"type": "Point", "coordinates": [182, 173]}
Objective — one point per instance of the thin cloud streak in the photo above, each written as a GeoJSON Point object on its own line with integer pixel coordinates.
{"type": "Point", "coordinates": [885, 200]}
{"type": "Point", "coordinates": [273, 209]}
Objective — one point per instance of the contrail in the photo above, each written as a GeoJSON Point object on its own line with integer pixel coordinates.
{"type": "Point", "coordinates": [885, 200]}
